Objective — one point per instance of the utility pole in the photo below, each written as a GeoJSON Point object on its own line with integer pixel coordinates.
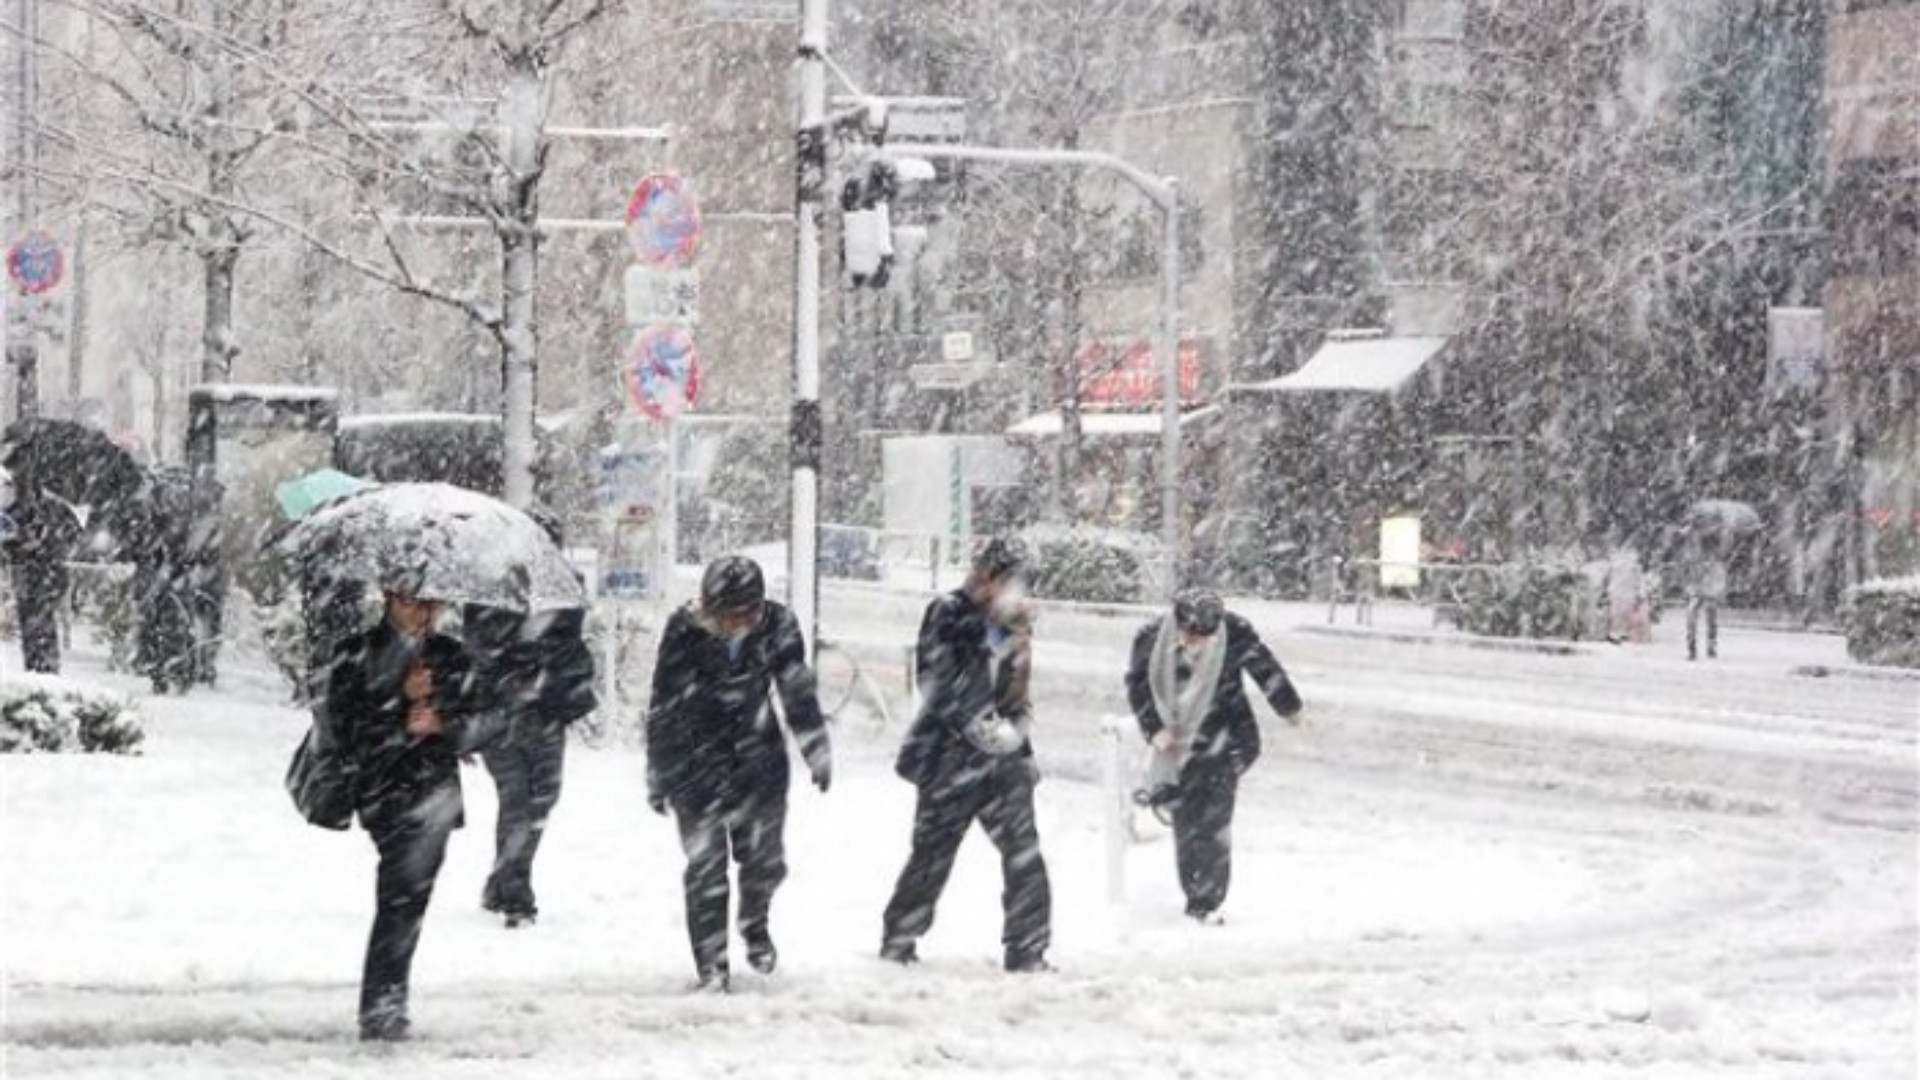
{"type": "Point", "coordinates": [810, 181]}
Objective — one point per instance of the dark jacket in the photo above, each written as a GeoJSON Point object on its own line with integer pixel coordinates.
{"type": "Point", "coordinates": [367, 711]}
{"type": "Point", "coordinates": [959, 681]}
{"type": "Point", "coordinates": [712, 739]}
{"type": "Point", "coordinates": [1228, 732]}
{"type": "Point", "coordinates": [539, 667]}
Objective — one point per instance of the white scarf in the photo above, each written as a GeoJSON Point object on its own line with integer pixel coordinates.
{"type": "Point", "coordinates": [1182, 708]}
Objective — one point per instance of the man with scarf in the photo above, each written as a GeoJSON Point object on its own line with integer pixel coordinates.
{"type": "Point", "coordinates": [716, 755]}
{"type": "Point", "coordinates": [970, 755]}
{"type": "Point", "coordinates": [1184, 685]}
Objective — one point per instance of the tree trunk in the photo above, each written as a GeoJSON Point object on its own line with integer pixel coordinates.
{"type": "Point", "coordinates": [217, 349]}
{"type": "Point", "coordinates": [520, 273]}
{"type": "Point", "coordinates": [77, 322]}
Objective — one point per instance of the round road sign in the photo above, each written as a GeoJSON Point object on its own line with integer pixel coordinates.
{"type": "Point", "coordinates": [35, 262]}
{"type": "Point", "coordinates": [661, 373]}
{"type": "Point", "coordinates": [663, 221]}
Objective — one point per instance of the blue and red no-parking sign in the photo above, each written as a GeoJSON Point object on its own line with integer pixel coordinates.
{"type": "Point", "coordinates": [663, 222]}
{"type": "Point", "coordinates": [35, 262]}
{"type": "Point", "coordinates": [661, 373]}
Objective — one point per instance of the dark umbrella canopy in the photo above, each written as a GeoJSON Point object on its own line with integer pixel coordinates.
{"type": "Point", "coordinates": [75, 463]}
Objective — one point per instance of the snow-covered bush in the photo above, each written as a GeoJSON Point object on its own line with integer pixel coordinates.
{"type": "Point", "coordinates": [1883, 622]}
{"type": "Point", "coordinates": [1525, 600]}
{"type": "Point", "coordinates": [1098, 566]}
{"type": "Point", "coordinates": [48, 714]}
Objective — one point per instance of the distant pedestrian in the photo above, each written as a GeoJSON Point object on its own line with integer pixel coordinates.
{"type": "Point", "coordinates": [543, 675]}
{"type": "Point", "coordinates": [1185, 685]}
{"type": "Point", "coordinates": [717, 758]}
{"type": "Point", "coordinates": [1704, 573]}
{"type": "Point", "coordinates": [401, 699]}
{"type": "Point", "coordinates": [970, 754]}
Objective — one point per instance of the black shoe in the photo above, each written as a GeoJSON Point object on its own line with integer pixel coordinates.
{"type": "Point", "coordinates": [518, 919]}
{"type": "Point", "coordinates": [900, 952]}
{"type": "Point", "coordinates": [389, 1029]}
{"type": "Point", "coordinates": [1028, 964]}
{"type": "Point", "coordinates": [714, 981]}
{"type": "Point", "coordinates": [761, 955]}
{"type": "Point", "coordinates": [1206, 917]}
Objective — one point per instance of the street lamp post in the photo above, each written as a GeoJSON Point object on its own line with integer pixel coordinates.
{"type": "Point", "coordinates": [1164, 193]}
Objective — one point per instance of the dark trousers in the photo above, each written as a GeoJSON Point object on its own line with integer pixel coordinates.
{"type": "Point", "coordinates": [1711, 607]}
{"type": "Point", "coordinates": [39, 589]}
{"type": "Point", "coordinates": [412, 840]}
{"type": "Point", "coordinates": [999, 795]}
{"type": "Point", "coordinates": [1203, 834]}
{"type": "Point", "coordinates": [753, 833]}
{"type": "Point", "coordinates": [526, 769]}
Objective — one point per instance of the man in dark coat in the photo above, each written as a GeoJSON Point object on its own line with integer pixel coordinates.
{"type": "Point", "coordinates": [402, 703]}
{"type": "Point", "coordinates": [970, 755]}
{"type": "Point", "coordinates": [716, 755]}
{"type": "Point", "coordinates": [542, 674]}
{"type": "Point", "coordinates": [45, 531]}
{"type": "Point", "coordinates": [1184, 684]}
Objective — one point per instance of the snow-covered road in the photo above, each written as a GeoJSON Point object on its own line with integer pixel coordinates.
{"type": "Point", "coordinates": [1471, 864]}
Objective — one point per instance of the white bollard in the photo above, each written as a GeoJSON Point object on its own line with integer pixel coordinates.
{"type": "Point", "coordinates": [1115, 730]}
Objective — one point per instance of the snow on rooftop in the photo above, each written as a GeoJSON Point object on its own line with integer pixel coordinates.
{"type": "Point", "coordinates": [1367, 365]}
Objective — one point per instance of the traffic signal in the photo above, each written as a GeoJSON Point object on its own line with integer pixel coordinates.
{"type": "Point", "coordinates": [866, 237]}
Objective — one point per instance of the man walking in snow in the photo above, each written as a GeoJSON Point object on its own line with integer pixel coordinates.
{"type": "Point", "coordinates": [543, 672]}
{"type": "Point", "coordinates": [1705, 577]}
{"type": "Point", "coordinates": [970, 755]}
{"type": "Point", "coordinates": [716, 755]}
{"type": "Point", "coordinates": [1184, 684]}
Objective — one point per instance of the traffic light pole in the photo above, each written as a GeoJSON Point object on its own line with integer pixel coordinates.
{"type": "Point", "coordinates": [810, 182]}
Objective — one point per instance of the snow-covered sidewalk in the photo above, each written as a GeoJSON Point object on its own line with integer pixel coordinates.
{"type": "Point", "coordinates": [1532, 867]}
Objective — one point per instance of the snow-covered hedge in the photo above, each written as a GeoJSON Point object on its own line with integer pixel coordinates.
{"type": "Point", "coordinates": [42, 714]}
{"type": "Point", "coordinates": [1883, 622]}
{"type": "Point", "coordinates": [1097, 566]}
{"type": "Point", "coordinates": [1524, 600]}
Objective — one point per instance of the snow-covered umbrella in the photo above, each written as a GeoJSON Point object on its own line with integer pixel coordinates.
{"type": "Point", "coordinates": [1729, 517]}
{"type": "Point", "coordinates": [438, 542]}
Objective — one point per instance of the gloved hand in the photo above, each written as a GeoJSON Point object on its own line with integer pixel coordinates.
{"type": "Point", "coordinates": [1164, 741]}
{"type": "Point", "coordinates": [822, 770]}
{"type": "Point", "coordinates": [658, 803]}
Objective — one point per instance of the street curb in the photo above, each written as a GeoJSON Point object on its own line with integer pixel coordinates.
{"type": "Point", "coordinates": [1856, 671]}
{"type": "Point", "coordinates": [1453, 641]}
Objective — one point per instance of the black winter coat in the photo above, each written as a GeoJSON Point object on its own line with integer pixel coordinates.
{"type": "Point", "coordinates": [1228, 732]}
{"type": "Point", "coordinates": [367, 711]}
{"type": "Point", "coordinates": [958, 682]}
{"type": "Point", "coordinates": [712, 738]}
{"type": "Point", "coordinates": [539, 666]}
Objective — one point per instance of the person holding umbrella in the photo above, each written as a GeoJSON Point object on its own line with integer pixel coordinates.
{"type": "Point", "coordinates": [400, 696]}
{"type": "Point", "coordinates": [717, 759]}
{"type": "Point", "coordinates": [1185, 685]}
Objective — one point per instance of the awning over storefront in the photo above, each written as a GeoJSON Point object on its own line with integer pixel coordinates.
{"type": "Point", "coordinates": [1378, 365]}
{"type": "Point", "coordinates": [1096, 425]}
